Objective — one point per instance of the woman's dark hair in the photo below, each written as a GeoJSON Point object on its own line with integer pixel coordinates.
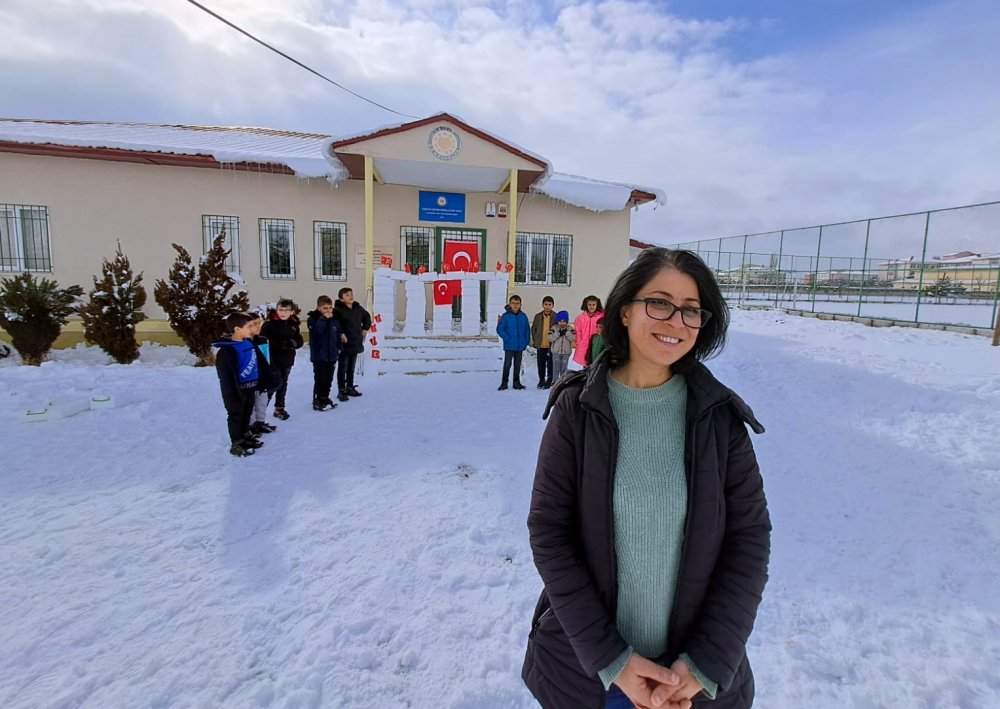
{"type": "Point", "coordinates": [583, 305]}
{"type": "Point", "coordinates": [711, 337]}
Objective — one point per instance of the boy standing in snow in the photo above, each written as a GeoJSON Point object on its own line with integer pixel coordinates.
{"type": "Point", "coordinates": [355, 322]}
{"type": "Point", "coordinates": [540, 326]}
{"type": "Point", "coordinates": [562, 339]}
{"type": "Point", "coordinates": [284, 339]}
{"type": "Point", "coordinates": [237, 367]}
{"type": "Point", "coordinates": [515, 332]}
{"type": "Point", "coordinates": [267, 382]}
{"type": "Point", "coordinates": [324, 350]}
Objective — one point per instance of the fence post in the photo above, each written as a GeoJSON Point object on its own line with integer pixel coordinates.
{"type": "Point", "coordinates": [864, 268]}
{"type": "Point", "coordinates": [923, 259]}
{"type": "Point", "coordinates": [996, 311]}
{"type": "Point", "coordinates": [819, 245]}
{"type": "Point", "coordinates": [743, 271]}
{"type": "Point", "coordinates": [779, 287]}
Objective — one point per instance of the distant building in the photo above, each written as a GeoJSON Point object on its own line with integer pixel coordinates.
{"type": "Point", "coordinates": [976, 273]}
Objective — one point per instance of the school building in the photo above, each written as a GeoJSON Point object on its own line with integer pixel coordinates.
{"type": "Point", "coordinates": [306, 214]}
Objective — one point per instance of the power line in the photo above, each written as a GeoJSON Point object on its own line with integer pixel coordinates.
{"type": "Point", "coordinates": [296, 61]}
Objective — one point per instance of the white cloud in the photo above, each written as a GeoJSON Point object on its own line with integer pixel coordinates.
{"type": "Point", "coordinates": [891, 118]}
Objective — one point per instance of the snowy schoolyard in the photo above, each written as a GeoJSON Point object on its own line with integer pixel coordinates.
{"type": "Point", "coordinates": [377, 555]}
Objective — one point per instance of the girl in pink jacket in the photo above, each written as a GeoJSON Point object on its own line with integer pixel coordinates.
{"type": "Point", "coordinates": [585, 326]}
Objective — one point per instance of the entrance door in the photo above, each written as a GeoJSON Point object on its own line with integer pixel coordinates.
{"type": "Point", "coordinates": [444, 233]}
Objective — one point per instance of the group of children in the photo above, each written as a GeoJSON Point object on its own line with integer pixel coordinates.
{"type": "Point", "coordinates": [553, 338]}
{"type": "Point", "coordinates": [255, 359]}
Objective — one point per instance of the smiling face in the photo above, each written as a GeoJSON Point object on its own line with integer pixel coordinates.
{"type": "Point", "coordinates": [591, 306]}
{"type": "Point", "coordinates": [284, 313]}
{"type": "Point", "coordinates": [655, 345]}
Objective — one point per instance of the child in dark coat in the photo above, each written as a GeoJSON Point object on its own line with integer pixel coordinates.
{"type": "Point", "coordinates": [285, 338]}
{"type": "Point", "coordinates": [355, 322]}
{"type": "Point", "coordinates": [596, 341]}
{"type": "Point", "coordinates": [236, 363]}
{"type": "Point", "coordinates": [324, 350]}
{"type": "Point", "coordinates": [515, 331]}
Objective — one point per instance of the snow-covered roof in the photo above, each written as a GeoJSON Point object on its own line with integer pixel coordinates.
{"type": "Point", "coordinates": [303, 153]}
{"type": "Point", "coordinates": [306, 154]}
{"type": "Point", "coordinates": [596, 195]}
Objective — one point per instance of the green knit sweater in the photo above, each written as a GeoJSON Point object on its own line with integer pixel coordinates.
{"type": "Point", "coordinates": [650, 506]}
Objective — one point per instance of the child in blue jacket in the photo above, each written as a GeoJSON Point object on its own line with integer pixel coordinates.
{"type": "Point", "coordinates": [515, 331]}
{"type": "Point", "coordinates": [324, 349]}
{"type": "Point", "coordinates": [238, 368]}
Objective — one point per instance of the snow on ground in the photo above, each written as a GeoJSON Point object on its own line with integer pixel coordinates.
{"type": "Point", "coordinates": [376, 555]}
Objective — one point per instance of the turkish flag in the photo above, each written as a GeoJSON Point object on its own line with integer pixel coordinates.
{"type": "Point", "coordinates": [445, 291]}
{"type": "Point", "coordinates": [460, 256]}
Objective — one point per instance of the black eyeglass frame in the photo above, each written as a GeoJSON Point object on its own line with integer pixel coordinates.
{"type": "Point", "coordinates": [674, 309]}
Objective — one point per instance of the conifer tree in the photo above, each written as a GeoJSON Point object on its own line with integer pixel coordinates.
{"type": "Point", "coordinates": [196, 299]}
{"type": "Point", "coordinates": [33, 312]}
{"type": "Point", "coordinates": [114, 306]}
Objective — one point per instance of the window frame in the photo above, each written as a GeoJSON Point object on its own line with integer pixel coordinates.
{"type": "Point", "coordinates": [265, 226]}
{"type": "Point", "coordinates": [13, 214]}
{"type": "Point", "coordinates": [525, 248]}
{"type": "Point", "coordinates": [210, 224]}
{"type": "Point", "coordinates": [427, 232]}
{"type": "Point", "coordinates": [340, 228]}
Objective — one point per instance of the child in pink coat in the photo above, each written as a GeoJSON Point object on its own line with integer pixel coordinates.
{"type": "Point", "coordinates": [585, 326]}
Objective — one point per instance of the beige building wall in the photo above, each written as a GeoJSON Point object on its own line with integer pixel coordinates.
{"type": "Point", "coordinates": [93, 203]}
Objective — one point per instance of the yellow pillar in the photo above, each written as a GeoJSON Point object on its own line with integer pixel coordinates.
{"type": "Point", "coordinates": [512, 229]}
{"type": "Point", "coordinates": [369, 224]}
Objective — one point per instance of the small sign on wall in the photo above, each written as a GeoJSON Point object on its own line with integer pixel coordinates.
{"type": "Point", "coordinates": [384, 256]}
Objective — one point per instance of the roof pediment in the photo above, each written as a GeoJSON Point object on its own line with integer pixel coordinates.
{"type": "Point", "coordinates": [441, 152]}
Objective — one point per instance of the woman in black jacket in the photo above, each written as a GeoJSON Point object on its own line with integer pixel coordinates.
{"type": "Point", "coordinates": [648, 521]}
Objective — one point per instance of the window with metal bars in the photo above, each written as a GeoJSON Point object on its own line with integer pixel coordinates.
{"type": "Point", "coordinates": [277, 248]}
{"type": "Point", "coordinates": [211, 226]}
{"type": "Point", "coordinates": [543, 259]}
{"type": "Point", "coordinates": [331, 246]}
{"type": "Point", "coordinates": [417, 246]}
{"type": "Point", "coordinates": [24, 238]}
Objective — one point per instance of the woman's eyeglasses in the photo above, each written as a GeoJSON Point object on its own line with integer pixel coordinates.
{"type": "Point", "coordinates": [664, 310]}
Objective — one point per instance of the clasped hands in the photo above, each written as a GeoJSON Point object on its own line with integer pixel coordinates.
{"type": "Point", "coordinates": [652, 686]}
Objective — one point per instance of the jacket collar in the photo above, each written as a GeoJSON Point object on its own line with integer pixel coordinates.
{"type": "Point", "coordinates": [705, 392]}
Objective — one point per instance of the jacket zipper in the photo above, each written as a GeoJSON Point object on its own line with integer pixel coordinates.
{"type": "Point", "coordinates": [689, 474]}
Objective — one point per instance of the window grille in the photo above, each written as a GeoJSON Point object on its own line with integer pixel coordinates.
{"type": "Point", "coordinates": [277, 248]}
{"type": "Point", "coordinates": [330, 240]}
{"type": "Point", "coordinates": [543, 259]}
{"type": "Point", "coordinates": [418, 250]}
{"type": "Point", "coordinates": [211, 226]}
{"type": "Point", "coordinates": [24, 238]}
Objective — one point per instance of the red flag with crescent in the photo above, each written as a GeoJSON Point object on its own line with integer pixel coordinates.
{"type": "Point", "coordinates": [460, 255]}
{"type": "Point", "coordinates": [457, 256]}
{"type": "Point", "coordinates": [445, 291]}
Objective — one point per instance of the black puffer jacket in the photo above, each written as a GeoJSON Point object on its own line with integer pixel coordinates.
{"type": "Point", "coordinates": [354, 322]}
{"type": "Point", "coordinates": [724, 559]}
{"type": "Point", "coordinates": [285, 337]}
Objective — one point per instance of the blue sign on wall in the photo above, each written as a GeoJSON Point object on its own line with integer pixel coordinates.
{"type": "Point", "coordinates": [442, 207]}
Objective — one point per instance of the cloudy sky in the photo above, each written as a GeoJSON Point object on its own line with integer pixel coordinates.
{"type": "Point", "coordinates": [750, 114]}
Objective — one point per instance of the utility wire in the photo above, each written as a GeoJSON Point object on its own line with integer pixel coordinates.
{"type": "Point", "coordinates": [296, 61]}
